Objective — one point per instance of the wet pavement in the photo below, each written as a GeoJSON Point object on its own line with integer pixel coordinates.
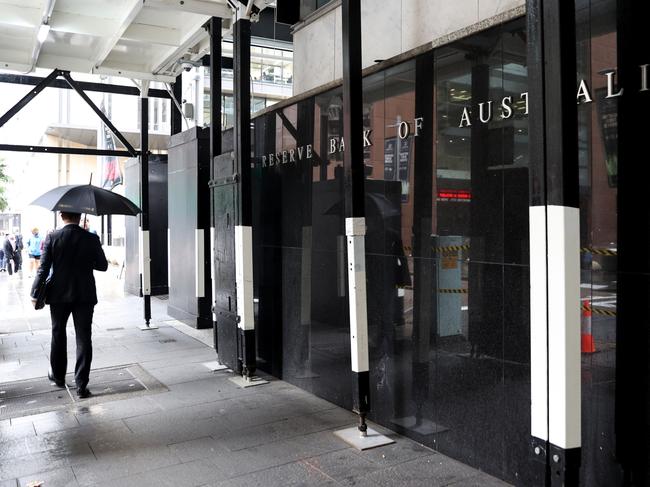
{"type": "Point", "coordinates": [187, 425]}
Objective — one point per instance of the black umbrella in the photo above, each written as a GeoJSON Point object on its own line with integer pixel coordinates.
{"type": "Point", "coordinates": [86, 198]}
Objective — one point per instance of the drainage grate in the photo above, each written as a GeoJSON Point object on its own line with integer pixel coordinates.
{"type": "Point", "coordinates": [117, 328]}
{"type": "Point", "coordinates": [167, 340]}
{"type": "Point", "coordinates": [33, 396]}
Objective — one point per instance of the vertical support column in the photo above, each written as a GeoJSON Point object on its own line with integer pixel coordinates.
{"type": "Point", "coordinates": [360, 437]}
{"type": "Point", "coordinates": [424, 306]}
{"type": "Point", "coordinates": [355, 214]}
{"type": "Point", "coordinates": [632, 401]}
{"type": "Point", "coordinates": [145, 260]}
{"type": "Point", "coordinates": [177, 116]}
{"type": "Point", "coordinates": [214, 28]}
{"type": "Point", "coordinates": [243, 214]}
{"type": "Point", "coordinates": [555, 240]}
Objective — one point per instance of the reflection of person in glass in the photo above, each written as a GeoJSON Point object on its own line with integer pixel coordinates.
{"type": "Point", "coordinates": [387, 273]}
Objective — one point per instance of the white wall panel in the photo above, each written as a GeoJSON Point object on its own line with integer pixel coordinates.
{"type": "Point", "coordinates": [388, 29]}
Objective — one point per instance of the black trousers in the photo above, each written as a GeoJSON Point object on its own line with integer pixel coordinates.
{"type": "Point", "coordinates": [82, 315]}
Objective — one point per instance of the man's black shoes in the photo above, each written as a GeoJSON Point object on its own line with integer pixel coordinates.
{"type": "Point", "coordinates": [59, 383]}
{"type": "Point", "coordinates": [83, 393]}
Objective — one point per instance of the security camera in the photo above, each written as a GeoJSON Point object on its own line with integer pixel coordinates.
{"type": "Point", "coordinates": [188, 64]}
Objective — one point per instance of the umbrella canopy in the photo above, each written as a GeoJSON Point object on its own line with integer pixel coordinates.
{"type": "Point", "coordinates": [86, 198]}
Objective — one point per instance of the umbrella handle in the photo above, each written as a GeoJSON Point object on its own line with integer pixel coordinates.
{"type": "Point", "coordinates": [86, 214]}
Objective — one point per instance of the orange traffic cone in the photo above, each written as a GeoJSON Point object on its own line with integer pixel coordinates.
{"type": "Point", "coordinates": [587, 339]}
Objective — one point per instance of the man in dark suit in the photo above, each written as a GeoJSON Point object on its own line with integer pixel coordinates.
{"type": "Point", "coordinates": [9, 250]}
{"type": "Point", "coordinates": [72, 253]}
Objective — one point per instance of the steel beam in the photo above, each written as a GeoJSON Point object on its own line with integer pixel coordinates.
{"type": "Point", "coordinates": [176, 114]}
{"type": "Point", "coordinates": [45, 82]}
{"type": "Point", "coordinates": [21, 79]}
{"type": "Point", "coordinates": [64, 150]}
{"type": "Point", "coordinates": [201, 7]}
{"type": "Point", "coordinates": [111, 71]}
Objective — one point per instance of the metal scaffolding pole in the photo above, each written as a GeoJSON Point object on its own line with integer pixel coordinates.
{"type": "Point", "coordinates": [145, 260]}
{"type": "Point", "coordinates": [355, 227]}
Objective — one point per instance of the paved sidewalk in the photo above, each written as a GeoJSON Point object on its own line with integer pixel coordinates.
{"type": "Point", "coordinates": [197, 429]}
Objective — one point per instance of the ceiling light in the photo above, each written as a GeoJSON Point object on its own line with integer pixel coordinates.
{"type": "Point", "coordinates": [43, 32]}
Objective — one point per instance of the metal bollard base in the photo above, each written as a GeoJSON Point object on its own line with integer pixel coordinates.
{"type": "Point", "coordinates": [373, 439]}
{"type": "Point", "coordinates": [243, 382]}
{"type": "Point", "coordinates": [148, 327]}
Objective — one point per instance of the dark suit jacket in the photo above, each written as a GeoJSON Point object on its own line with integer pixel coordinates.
{"type": "Point", "coordinates": [8, 249]}
{"type": "Point", "coordinates": [72, 253]}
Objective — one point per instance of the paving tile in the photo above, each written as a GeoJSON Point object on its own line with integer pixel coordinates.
{"type": "Point", "coordinates": [48, 422]}
{"type": "Point", "coordinates": [9, 483]}
{"type": "Point", "coordinates": [175, 426]}
{"type": "Point", "coordinates": [401, 451]}
{"type": "Point", "coordinates": [182, 475]}
{"type": "Point", "coordinates": [112, 410]}
{"type": "Point", "coordinates": [9, 431]}
{"type": "Point", "coordinates": [481, 480]}
{"type": "Point", "coordinates": [58, 424]}
{"type": "Point", "coordinates": [57, 477]}
{"type": "Point", "coordinates": [344, 466]}
{"type": "Point", "coordinates": [196, 449]}
{"type": "Point", "coordinates": [57, 458]}
{"type": "Point", "coordinates": [292, 474]}
{"type": "Point", "coordinates": [325, 440]}
{"type": "Point", "coordinates": [124, 461]}
{"type": "Point", "coordinates": [432, 471]}
{"type": "Point", "coordinates": [197, 392]}
{"type": "Point", "coordinates": [89, 432]}
{"type": "Point", "coordinates": [176, 374]}
{"type": "Point", "coordinates": [250, 460]}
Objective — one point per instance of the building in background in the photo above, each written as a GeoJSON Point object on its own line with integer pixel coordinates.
{"type": "Point", "coordinates": [59, 117]}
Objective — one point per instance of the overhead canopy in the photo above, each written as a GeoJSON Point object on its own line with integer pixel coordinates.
{"type": "Point", "coordinates": [141, 39]}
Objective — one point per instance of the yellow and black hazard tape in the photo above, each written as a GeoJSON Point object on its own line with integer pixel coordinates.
{"type": "Point", "coordinates": [453, 291]}
{"type": "Point", "coordinates": [451, 248]}
{"type": "Point", "coordinates": [598, 311]}
{"type": "Point", "coordinates": [456, 248]}
{"type": "Point", "coordinates": [597, 251]}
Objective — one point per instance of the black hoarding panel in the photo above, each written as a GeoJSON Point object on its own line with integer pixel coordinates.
{"type": "Point", "coordinates": [224, 188]}
{"type": "Point", "coordinates": [157, 226]}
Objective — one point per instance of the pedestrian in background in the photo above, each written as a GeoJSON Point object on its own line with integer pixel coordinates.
{"type": "Point", "coordinates": [18, 250]}
{"type": "Point", "coordinates": [72, 254]}
{"type": "Point", "coordinates": [2, 252]}
{"type": "Point", "coordinates": [34, 251]}
{"type": "Point", "coordinates": [9, 248]}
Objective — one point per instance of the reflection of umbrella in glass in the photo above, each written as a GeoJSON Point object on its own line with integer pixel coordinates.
{"type": "Point", "coordinates": [382, 205]}
{"type": "Point", "coordinates": [86, 198]}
